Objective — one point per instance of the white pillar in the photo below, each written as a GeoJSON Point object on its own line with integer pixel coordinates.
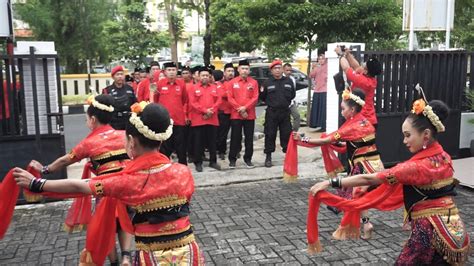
{"type": "Point", "coordinates": [332, 100]}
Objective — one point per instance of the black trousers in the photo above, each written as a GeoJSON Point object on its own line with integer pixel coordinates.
{"type": "Point", "coordinates": [236, 139]}
{"type": "Point", "coordinates": [223, 132]}
{"type": "Point", "coordinates": [176, 143]}
{"type": "Point", "coordinates": [276, 119]}
{"type": "Point", "coordinates": [204, 136]}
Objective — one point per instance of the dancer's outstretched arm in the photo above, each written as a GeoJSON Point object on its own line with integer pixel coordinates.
{"type": "Point", "coordinates": [352, 181]}
{"type": "Point", "coordinates": [23, 178]}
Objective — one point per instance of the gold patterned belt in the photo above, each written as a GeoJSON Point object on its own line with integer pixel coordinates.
{"type": "Point", "coordinates": [440, 206]}
{"type": "Point", "coordinates": [154, 246]}
{"type": "Point", "coordinates": [108, 154]}
{"type": "Point", "coordinates": [111, 166]}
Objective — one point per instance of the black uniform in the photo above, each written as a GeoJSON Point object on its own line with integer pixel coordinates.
{"type": "Point", "coordinates": [123, 98]}
{"type": "Point", "coordinates": [277, 94]}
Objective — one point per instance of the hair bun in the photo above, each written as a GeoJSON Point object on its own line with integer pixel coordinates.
{"type": "Point", "coordinates": [156, 117]}
{"type": "Point", "coordinates": [440, 109]}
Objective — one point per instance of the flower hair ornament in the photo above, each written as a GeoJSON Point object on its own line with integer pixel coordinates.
{"type": "Point", "coordinates": [347, 95]}
{"type": "Point", "coordinates": [135, 120]}
{"type": "Point", "coordinates": [421, 106]}
{"type": "Point", "coordinates": [91, 101]}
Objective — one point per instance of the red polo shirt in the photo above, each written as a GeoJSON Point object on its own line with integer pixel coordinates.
{"type": "Point", "coordinates": [202, 98]}
{"type": "Point", "coordinates": [368, 85]}
{"type": "Point", "coordinates": [143, 90]}
{"type": "Point", "coordinates": [174, 98]}
{"type": "Point", "coordinates": [225, 105]}
{"type": "Point", "coordinates": [243, 93]}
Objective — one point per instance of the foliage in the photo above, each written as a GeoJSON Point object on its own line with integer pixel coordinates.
{"type": "Point", "coordinates": [76, 27]}
{"type": "Point", "coordinates": [129, 36]}
{"type": "Point", "coordinates": [231, 30]}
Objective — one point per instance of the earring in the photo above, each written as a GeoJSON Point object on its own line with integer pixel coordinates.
{"type": "Point", "coordinates": [425, 143]}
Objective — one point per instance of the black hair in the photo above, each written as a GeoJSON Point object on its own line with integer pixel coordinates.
{"type": "Point", "coordinates": [287, 65]}
{"type": "Point", "coordinates": [156, 118]}
{"type": "Point", "coordinates": [374, 67]}
{"type": "Point", "coordinates": [154, 63]}
{"type": "Point", "coordinates": [421, 122]}
{"type": "Point", "coordinates": [352, 103]}
{"type": "Point", "coordinates": [104, 117]}
{"type": "Point", "coordinates": [218, 75]}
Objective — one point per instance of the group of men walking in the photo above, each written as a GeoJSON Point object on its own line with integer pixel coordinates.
{"type": "Point", "coordinates": [205, 104]}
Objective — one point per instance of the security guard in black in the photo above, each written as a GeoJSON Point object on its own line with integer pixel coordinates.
{"type": "Point", "coordinates": [277, 93]}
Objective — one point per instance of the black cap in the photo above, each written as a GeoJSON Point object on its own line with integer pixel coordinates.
{"type": "Point", "coordinates": [244, 62]}
{"type": "Point", "coordinates": [211, 67]}
{"type": "Point", "coordinates": [154, 63]}
{"type": "Point", "coordinates": [228, 65]}
{"type": "Point", "coordinates": [203, 68]}
{"type": "Point", "coordinates": [374, 67]}
{"type": "Point", "coordinates": [186, 68]}
{"type": "Point", "coordinates": [137, 69]}
{"type": "Point", "coordinates": [195, 68]}
{"type": "Point", "coordinates": [128, 78]}
{"type": "Point", "coordinates": [169, 64]}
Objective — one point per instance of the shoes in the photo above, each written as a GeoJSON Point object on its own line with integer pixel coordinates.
{"type": "Point", "coordinates": [249, 164]}
{"type": "Point", "coordinates": [215, 166]}
{"type": "Point", "coordinates": [268, 160]}
{"type": "Point", "coordinates": [232, 165]}
{"type": "Point", "coordinates": [336, 211]}
{"type": "Point", "coordinates": [222, 156]}
{"type": "Point", "coordinates": [367, 231]}
{"type": "Point", "coordinates": [198, 167]}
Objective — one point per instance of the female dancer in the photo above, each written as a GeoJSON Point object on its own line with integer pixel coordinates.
{"type": "Point", "coordinates": [359, 135]}
{"type": "Point", "coordinates": [105, 147]}
{"type": "Point", "coordinates": [156, 189]}
{"type": "Point", "coordinates": [425, 185]}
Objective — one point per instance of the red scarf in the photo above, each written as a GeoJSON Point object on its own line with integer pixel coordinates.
{"type": "Point", "coordinates": [328, 151]}
{"type": "Point", "coordinates": [101, 230]}
{"type": "Point", "coordinates": [385, 198]}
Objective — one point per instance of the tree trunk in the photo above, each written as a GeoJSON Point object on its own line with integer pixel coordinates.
{"type": "Point", "coordinates": [174, 39]}
{"type": "Point", "coordinates": [207, 35]}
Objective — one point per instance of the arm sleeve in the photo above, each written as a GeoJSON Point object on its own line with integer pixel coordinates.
{"type": "Point", "coordinates": [81, 150]}
{"type": "Point", "coordinates": [116, 186]}
{"type": "Point", "coordinates": [253, 102]}
{"type": "Point", "coordinates": [407, 173]}
{"type": "Point", "coordinates": [218, 102]}
{"type": "Point", "coordinates": [230, 95]}
{"type": "Point", "coordinates": [358, 80]}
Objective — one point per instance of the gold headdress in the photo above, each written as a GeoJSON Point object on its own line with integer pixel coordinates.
{"type": "Point", "coordinates": [421, 106]}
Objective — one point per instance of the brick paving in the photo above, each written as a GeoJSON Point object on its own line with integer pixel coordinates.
{"type": "Point", "coordinates": [252, 223]}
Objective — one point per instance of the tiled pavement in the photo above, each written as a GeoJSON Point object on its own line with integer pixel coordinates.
{"type": "Point", "coordinates": [251, 223]}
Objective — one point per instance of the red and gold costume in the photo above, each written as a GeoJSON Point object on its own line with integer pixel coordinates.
{"type": "Point", "coordinates": [159, 192]}
{"type": "Point", "coordinates": [359, 135]}
{"type": "Point", "coordinates": [425, 185]}
{"type": "Point", "coordinates": [105, 147]}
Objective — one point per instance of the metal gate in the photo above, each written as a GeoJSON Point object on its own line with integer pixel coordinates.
{"type": "Point", "coordinates": [31, 121]}
{"type": "Point", "coordinates": [442, 74]}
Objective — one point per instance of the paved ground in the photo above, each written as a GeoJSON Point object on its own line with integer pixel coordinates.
{"type": "Point", "coordinates": [251, 223]}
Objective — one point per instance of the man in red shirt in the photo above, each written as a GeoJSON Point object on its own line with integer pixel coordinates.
{"type": "Point", "coordinates": [144, 87]}
{"type": "Point", "coordinates": [243, 97]}
{"type": "Point", "coordinates": [224, 112]}
{"type": "Point", "coordinates": [363, 77]}
{"type": "Point", "coordinates": [171, 93]}
{"type": "Point", "coordinates": [186, 75]}
{"type": "Point", "coordinates": [204, 101]}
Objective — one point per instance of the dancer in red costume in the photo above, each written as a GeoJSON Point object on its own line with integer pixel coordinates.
{"type": "Point", "coordinates": [424, 184]}
{"type": "Point", "coordinates": [105, 147]}
{"type": "Point", "coordinates": [359, 137]}
{"type": "Point", "coordinates": [158, 190]}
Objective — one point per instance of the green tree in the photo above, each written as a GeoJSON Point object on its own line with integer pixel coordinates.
{"type": "Point", "coordinates": [231, 29]}
{"type": "Point", "coordinates": [129, 37]}
{"type": "Point", "coordinates": [76, 27]}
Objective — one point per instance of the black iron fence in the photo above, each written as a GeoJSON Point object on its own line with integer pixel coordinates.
{"type": "Point", "coordinates": [443, 76]}
{"type": "Point", "coordinates": [31, 121]}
